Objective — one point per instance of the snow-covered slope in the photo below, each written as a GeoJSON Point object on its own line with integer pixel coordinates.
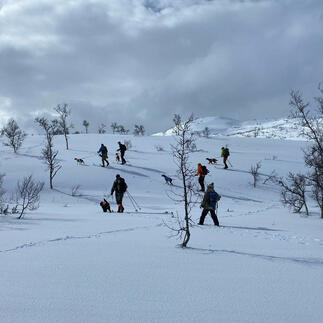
{"type": "Point", "coordinates": [216, 125]}
{"type": "Point", "coordinates": [69, 262]}
{"type": "Point", "coordinates": [287, 128]}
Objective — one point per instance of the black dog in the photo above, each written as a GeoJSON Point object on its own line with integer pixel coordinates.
{"type": "Point", "coordinates": [168, 180]}
{"type": "Point", "coordinates": [105, 206]}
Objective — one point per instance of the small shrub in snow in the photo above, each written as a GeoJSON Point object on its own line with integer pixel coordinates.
{"type": "Point", "coordinates": [159, 148]}
{"type": "Point", "coordinates": [193, 147]}
{"type": "Point", "coordinates": [254, 171]}
{"type": "Point", "coordinates": [294, 192]}
{"type": "Point", "coordinates": [28, 194]}
{"type": "Point", "coordinates": [128, 144]}
{"type": "Point", "coordinates": [206, 132]}
{"type": "Point", "coordinates": [76, 190]}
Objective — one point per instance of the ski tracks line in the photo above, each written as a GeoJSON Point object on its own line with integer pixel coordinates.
{"type": "Point", "coordinates": [297, 260]}
{"type": "Point", "coordinates": [71, 237]}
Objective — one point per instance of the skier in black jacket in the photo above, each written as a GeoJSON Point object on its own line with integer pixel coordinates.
{"type": "Point", "coordinates": [119, 187]}
{"type": "Point", "coordinates": [122, 149]}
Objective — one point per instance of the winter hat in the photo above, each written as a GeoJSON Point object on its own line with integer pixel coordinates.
{"type": "Point", "coordinates": [211, 186]}
{"type": "Point", "coordinates": [118, 176]}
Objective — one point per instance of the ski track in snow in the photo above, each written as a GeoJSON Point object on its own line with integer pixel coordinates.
{"type": "Point", "coordinates": [272, 234]}
{"type": "Point", "coordinates": [297, 260]}
{"type": "Point", "coordinates": [68, 237]}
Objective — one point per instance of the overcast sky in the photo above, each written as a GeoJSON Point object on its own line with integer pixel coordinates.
{"type": "Point", "coordinates": [141, 61]}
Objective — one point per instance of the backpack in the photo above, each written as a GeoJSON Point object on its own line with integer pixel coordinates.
{"type": "Point", "coordinates": [123, 147]}
{"type": "Point", "coordinates": [204, 170]}
{"type": "Point", "coordinates": [104, 150]}
{"type": "Point", "coordinates": [214, 197]}
{"type": "Point", "coordinates": [226, 152]}
{"type": "Point", "coordinates": [121, 185]}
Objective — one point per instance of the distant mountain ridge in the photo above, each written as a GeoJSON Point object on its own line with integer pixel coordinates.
{"type": "Point", "coordinates": [286, 128]}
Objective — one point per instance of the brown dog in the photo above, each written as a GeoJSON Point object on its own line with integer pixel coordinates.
{"type": "Point", "coordinates": [80, 161]}
{"type": "Point", "coordinates": [211, 160]}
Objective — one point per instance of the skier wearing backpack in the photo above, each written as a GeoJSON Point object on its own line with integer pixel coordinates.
{"type": "Point", "coordinates": [103, 151]}
{"type": "Point", "coordinates": [122, 149]}
{"type": "Point", "coordinates": [119, 187]}
{"type": "Point", "coordinates": [225, 153]}
{"type": "Point", "coordinates": [202, 171]}
{"type": "Point", "coordinates": [209, 205]}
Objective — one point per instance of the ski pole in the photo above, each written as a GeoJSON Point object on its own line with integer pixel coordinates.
{"type": "Point", "coordinates": [133, 204]}
{"type": "Point", "coordinates": [134, 200]}
{"type": "Point", "coordinates": [229, 163]}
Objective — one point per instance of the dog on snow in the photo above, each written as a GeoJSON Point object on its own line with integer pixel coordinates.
{"type": "Point", "coordinates": [211, 160]}
{"type": "Point", "coordinates": [79, 161]}
{"type": "Point", "coordinates": [168, 180]}
{"type": "Point", "coordinates": [105, 206]}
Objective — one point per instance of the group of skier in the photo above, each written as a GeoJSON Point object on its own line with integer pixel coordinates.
{"type": "Point", "coordinates": [103, 152]}
{"type": "Point", "coordinates": [210, 199]}
{"type": "Point", "coordinates": [202, 171]}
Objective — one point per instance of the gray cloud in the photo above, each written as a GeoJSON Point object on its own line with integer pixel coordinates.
{"type": "Point", "coordinates": [142, 61]}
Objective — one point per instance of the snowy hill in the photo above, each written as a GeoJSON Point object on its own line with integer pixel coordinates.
{"type": "Point", "coordinates": [69, 262]}
{"type": "Point", "coordinates": [288, 129]}
{"type": "Point", "coordinates": [216, 125]}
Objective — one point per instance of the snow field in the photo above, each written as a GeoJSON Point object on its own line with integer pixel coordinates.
{"type": "Point", "coordinates": [69, 262]}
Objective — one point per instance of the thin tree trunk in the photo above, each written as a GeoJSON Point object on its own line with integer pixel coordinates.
{"type": "Point", "coordinates": [66, 140]}
{"type": "Point", "coordinates": [306, 208]}
{"type": "Point", "coordinates": [187, 224]}
{"type": "Point", "coordinates": [21, 214]}
{"type": "Point", "coordinates": [51, 179]}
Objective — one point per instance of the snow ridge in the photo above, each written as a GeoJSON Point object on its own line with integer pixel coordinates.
{"type": "Point", "coordinates": [284, 129]}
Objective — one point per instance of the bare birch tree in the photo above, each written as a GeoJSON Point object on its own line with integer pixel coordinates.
{"type": "Point", "coordinates": [86, 125]}
{"type": "Point", "coordinates": [181, 152]}
{"type": "Point", "coordinates": [114, 127]}
{"type": "Point", "coordinates": [49, 154]}
{"type": "Point", "coordinates": [294, 192]}
{"type": "Point", "coordinates": [101, 128]}
{"type": "Point", "coordinates": [64, 112]}
{"type": "Point", "coordinates": [139, 130]}
{"type": "Point", "coordinates": [28, 194]}
{"type": "Point", "coordinates": [14, 134]}
{"type": "Point", "coordinates": [254, 171]}
{"type": "Point", "coordinates": [312, 125]}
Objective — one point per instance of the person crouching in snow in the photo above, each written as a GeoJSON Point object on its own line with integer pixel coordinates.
{"type": "Point", "coordinates": [209, 204]}
{"type": "Point", "coordinates": [119, 187]}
